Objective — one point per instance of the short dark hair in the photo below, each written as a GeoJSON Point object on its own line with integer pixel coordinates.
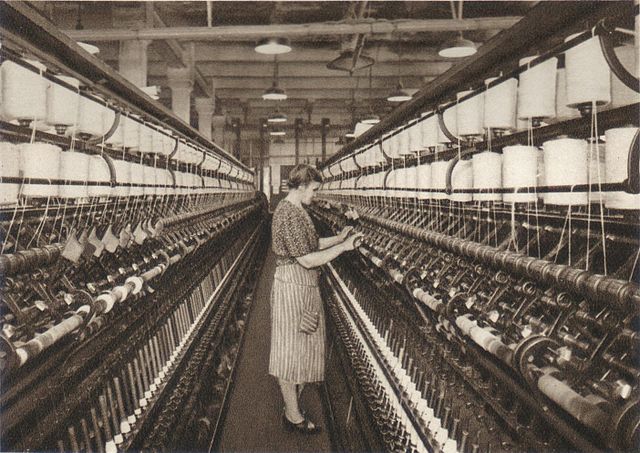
{"type": "Point", "coordinates": [302, 175]}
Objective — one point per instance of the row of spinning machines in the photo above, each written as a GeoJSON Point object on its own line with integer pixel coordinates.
{"type": "Point", "coordinates": [493, 301]}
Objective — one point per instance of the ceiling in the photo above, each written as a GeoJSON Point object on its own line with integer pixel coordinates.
{"type": "Point", "coordinates": [403, 37]}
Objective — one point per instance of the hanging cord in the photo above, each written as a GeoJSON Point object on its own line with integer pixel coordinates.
{"type": "Point", "coordinates": [604, 238]}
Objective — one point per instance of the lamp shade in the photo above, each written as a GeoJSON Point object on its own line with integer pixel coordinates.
{"type": "Point", "coordinates": [277, 133]}
{"type": "Point", "coordinates": [457, 47]}
{"type": "Point", "coordinates": [277, 117]}
{"type": "Point", "coordinates": [274, 93]}
{"type": "Point", "coordinates": [371, 119]}
{"type": "Point", "coordinates": [399, 94]}
{"type": "Point", "coordinates": [273, 46]}
{"type": "Point", "coordinates": [344, 62]}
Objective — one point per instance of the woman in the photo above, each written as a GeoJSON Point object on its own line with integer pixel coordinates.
{"type": "Point", "coordinates": [297, 357]}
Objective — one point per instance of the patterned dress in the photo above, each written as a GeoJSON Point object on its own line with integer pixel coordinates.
{"type": "Point", "coordinates": [295, 356]}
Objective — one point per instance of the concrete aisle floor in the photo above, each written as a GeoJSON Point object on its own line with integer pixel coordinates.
{"type": "Point", "coordinates": [254, 416]}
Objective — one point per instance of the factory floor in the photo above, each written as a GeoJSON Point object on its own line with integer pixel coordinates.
{"type": "Point", "coordinates": [254, 415]}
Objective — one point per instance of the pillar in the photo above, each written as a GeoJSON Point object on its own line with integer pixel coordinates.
{"type": "Point", "coordinates": [132, 61]}
{"type": "Point", "coordinates": [180, 80]}
{"type": "Point", "coordinates": [218, 122]}
{"type": "Point", "coordinates": [324, 130]}
{"type": "Point", "coordinates": [205, 108]}
{"type": "Point", "coordinates": [298, 132]}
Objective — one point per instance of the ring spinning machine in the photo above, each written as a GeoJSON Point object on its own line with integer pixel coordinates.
{"type": "Point", "coordinates": [129, 249]}
{"type": "Point", "coordinates": [493, 303]}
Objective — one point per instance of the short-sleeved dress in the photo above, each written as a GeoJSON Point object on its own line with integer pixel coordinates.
{"type": "Point", "coordinates": [295, 356]}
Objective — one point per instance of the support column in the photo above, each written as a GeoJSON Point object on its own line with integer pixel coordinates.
{"type": "Point", "coordinates": [260, 166]}
{"type": "Point", "coordinates": [132, 61]}
{"type": "Point", "coordinates": [324, 130]}
{"type": "Point", "coordinates": [298, 132]}
{"type": "Point", "coordinates": [205, 108]}
{"type": "Point", "coordinates": [218, 122]}
{"type": "Point", "coordinates": [180, 81]}
{"type": "Point", "coordinates": [237, 129]}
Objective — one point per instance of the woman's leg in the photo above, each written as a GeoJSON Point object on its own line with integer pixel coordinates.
{"type": "Point", "coordinates": [291, 408]}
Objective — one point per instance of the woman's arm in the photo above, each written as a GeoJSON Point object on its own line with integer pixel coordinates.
{"type": "Point", "coordinates": [316, 259]}
{"type": "Point", "coordinates": [330, 241]}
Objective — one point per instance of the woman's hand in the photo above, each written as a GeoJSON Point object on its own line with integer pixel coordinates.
{"type": "Point", "coordinates": [352, 241]}
{"type": "Point", "coordinates": [345, 232]}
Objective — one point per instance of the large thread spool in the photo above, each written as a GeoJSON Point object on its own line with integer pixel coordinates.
{"type": "Point", "coordinates": [616, 155]}
{"type": "Point", "coordinates": [410, 180]}
{"type": "Point", "coordinates": [487, 174]}
{"type": "Point", "coordinates": [24, 92]}
{"type": "Point", "coordinates": [563, 111]}
{"type": "Point", "coordinates": [149, 173]}
{"type": "Point", "coordinates": [462, 178]}
{"type": "Point", "coordinates": [9, 168]}
{"type": "Point", "coordinates": [89, 118]}
{"type": "Point", "coordinates": [565, 163]}
{"type": "Point", "coordinates": [137, 177]}
{"type": "Point", "coordinates": [393, 146]}
{"type": "Point", "coordinates": [500, 104]}
{"type": "Point", "coordinates": [519, 169]}
{"type": "Point", "coordinates": [404, 142]}
{"type": "Point", "coordinates": [450, 120]}
{"type": "Point", "coordinates": [620, 93]}
{"type": "Point", "coordinates": [588, 74]}
{"type": "Point", "coordinates": [430, 130]}
{"type": "Point", "coordinates": [62, 104]}
{"type": "Point", "coordinates": [439, 179]}
{"type": "Point", "coordinates": [74, 166]}
{"type": "Point", "coordinates": [157, 142]}
{"type": "Point", "coordinates": [123, 176]}
{"type": "Point", "coordinates": [99, 172]}
{"type": "Point", "coordinates": [597, 170]}
{"type": "Point", "coordinates": [377, 181]}
{"type": "Point", "coordinates": [415, 137]}
{"type": "Point", "coordinates": [537, 89]}
{"type": "Point", "coordinates": [469, 114]}
{"type": "Point", "coordinates": [180, 181]}
{"type": "Point", "coordinates": [163, 178]}
{"type": "Point", "coordinates": [424, 181]}
{"type": "Point", "coordinates": [40, 160]}
{"type": "Point", "coordinates": [146, 139]}
{"type": "Point", "coordinates": [131, 134]}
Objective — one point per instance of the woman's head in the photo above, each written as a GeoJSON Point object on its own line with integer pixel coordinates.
{"type": "Point", "coordinates": [306, 180]}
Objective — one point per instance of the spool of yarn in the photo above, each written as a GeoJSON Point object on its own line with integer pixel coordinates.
{"type": "Point", "coordinates": [439, 179]}
{"type": "Point", "coordinates": [563, 111]}
{"type": "Point", "coordinates": [89, 119]}
{"type": "Point", "coordinates": [537, 89]}
{"type": "Point", "coordinates": [99, 172]}
{"type": "Point", "coordinates": [146, 139]}
{"type": "Point", "coordinates": [519, 169]}
{"type": "Point", "coordinates": [415, 137]}
{"type": "Point", "coordinates": [588, 74]}
{"type": "Point", "coordinates": [620, 93]}
{"type": "Point", "coordinates": [168, 144]}
{"type": "Point", "coordinates": [180, 181]}
{"type": "Point", "coordinates": [24, 92]}
{"type": "Point", "coordinates": [162, 179]}
{"type": "Point", "coordinates": [462, 178]}
{"type": "Point", "coordinates": [430, 130]}
{"type": "Point", "coordinates": [9, 168]}
{"type": "Point", "coordinates": [149, 174]}
{"type": "Point", "coordinates": [137, 177]}
{"type": "Point", "coordinates": [40, 160]}
{"type": "Point", "coordinates": [597, 170]}
{"type": "Point", "coordinates": [108, 117]}
{"type": "Point", "coordinates": [450, 120]}
{"type": "Point", "coordinates": [616, 156]}
{"type": "Point", "coordinates": [123, 176]}
{"type": "Point", "coordinates": [470, 114]}
{"type": "Point", "coordinates": [487, 174]}
{"type": "Point", "coordinates": [410, 180]}
{"type": "Point", "coordinates": [131, 135]}
{"type": "Point", "coordinates": [392, 146]}
{"type": "Point", "coordinates": [62, 104]}
{"type": "Point", "coordinates": [404, 142]}
{"type": "Point", "coordinates": [500, 104]}
{"type": "Point", "coordinates": [157, 142]}
{"type": "Point", "coordinates": [424, 180]}
{"type": "Point", "coordinates": [74, 166]}
{"type": "Point", "coordinates": [565, 163]}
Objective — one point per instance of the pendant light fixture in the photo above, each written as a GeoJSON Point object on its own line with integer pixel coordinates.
{"type": "Point", "coordinates": [457, 47]}
{"type": "Point", "coordinates": [274, 92]}
{"type": "Point", "coordinates": [277, 117]}
{"type": "Point", "coordinates": [277, 132]}
{"type": "Point", "coordinates": [399, 94]}
{"type": "Point", "coordinates": [273, 46]}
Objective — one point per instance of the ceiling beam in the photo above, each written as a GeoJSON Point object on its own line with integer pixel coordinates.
{"type": "Point", "coordinates": [248, 82]}
{"type": "Point", "coordinates": [187, 59]}
{"type": "Point", "coordinates": [300, 93]}
{"type": "Point", "coordinates": [255, 32]}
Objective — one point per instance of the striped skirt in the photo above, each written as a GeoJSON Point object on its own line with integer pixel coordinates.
{"type": "Point", "coordinates": [295, 356]}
